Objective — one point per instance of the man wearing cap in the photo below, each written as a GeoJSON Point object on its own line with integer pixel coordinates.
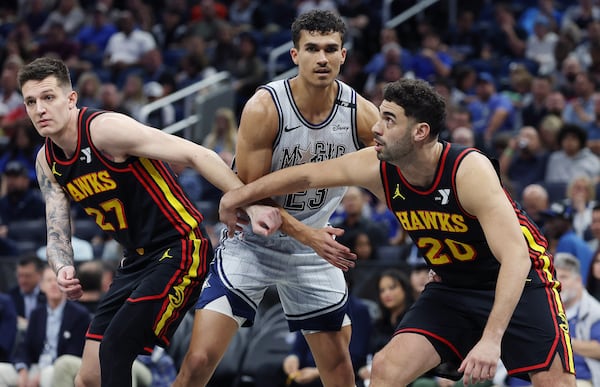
{"type": "Point", "coordinates": [491, 112]}
{"type": "Point", "coordinates": [558, 228]}
{"type": "Point", "coordinates": [20, 202]}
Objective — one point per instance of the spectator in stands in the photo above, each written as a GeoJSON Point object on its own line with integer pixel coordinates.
{"type": "Point", "coordinates": [463, 136]}
{"type": "Point", "coordinates": [524, 160]}
{"type": "Point", "coordinates": [534, 200]}
{"type": "Point", "coordinates": [362, 24]}
{"type": "Point", "coordinates": [90, 277]}
{"type": "Point", "coordinates": [395, 298]}
{"type": "Point", "coordinates": [162, 117]}
{"type": "Point", "coordinates": [464, 79]}
{"type": "Point", "coordinates": [355, 219]}
{"type": "Point", "coordinates": [111, 99]}
{"type": "Point", "coordinates": [549, 128]}
{"type": "Point", "coordinates": [593, 130]}
{"type": "Point", "coordinates": [518, 90]}
{"type": "Point", "coordinates": [465, 39]}
{"type": "Point", "coordinates": [248, 71]}
{"type": "Point", "coordinates": [545, 8]}
{"type": "Point", "coordinates": [88, 89]}
{"type": "Point", "coordinates": [594, 243]}
{"type": "Point", "coordinates": [565, 78]}
{"type": "Point", "coordinates": [325, 5]}
{"type": "Point", "coordinates": [9, 93]}
{"type": "Point", "coordinates": [154, 67]}
{"type": "Point", "coordinates": [540, 45]}
{"type": "Point", "coordinates": [55, 329]}
{"type": "Point", "coordinates": [126, 47]}
{"type": "Point", "coordinates": [360, 244]}
{"type": "Point", "coordinates": [573, 159]}
{"type": "Point", "coordinates": [558, 229]}
{"type": "Point", "coordinates": [34, 13]}
{"type": "Point", "coordinates": [68, 14]}
{"type": "Point", "coordinates": [8, 327]}
{"type": "Point", "coordinates": [133, 94]}
{"type": "Point", "coordinates": [432, 60]}
{"type": "Point", "coordinates": [389, 44]}
{"type": "Point", "coordinates": [171, 30]}
{"type": "Point", "coordinates": [206, 19]}
{"type": "Point", "coordinates": [242, 13]}
{"type": "Point", "coordinates": [57, 43]}
{"type": "Point", "coordinates": [22, 147]}
{"type": "Point", "coordinates": [506, 37]}
{"type": "Point", "coordinates": [536, 109]}
{"type": "Point", "coordinates": [579, 15]}
{"type": "Point", "coordinates": [581, 196]}
{"type": "Point", "coordinates": [21, 201]}
{"type": "Point", "coordinates": [581, 110]}
{"type": "Point", "coordinates": [93, 37]}
{"type": "Point", "coordinates": [492, 113]}
{"type": "Point", "coordinates": [27, 295]}
{"type": "Point", "coordinates": [593, 278]}
{"type": "Point", "coordinates": [223, 135]}
{"type": "Point", "coordinates": [585, 50]}
{"type": "Point", "coordinates": [276, 17]}
{"type": "Point", "coordinates": [583, 314]}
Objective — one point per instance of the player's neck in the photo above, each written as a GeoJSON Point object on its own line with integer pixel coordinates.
{"type": "Point", "coordinates": [420, 167]}
{"type": "Point", "coordinates": [314, 103]}
{"type": "Point", "coordinates": [68, 138]}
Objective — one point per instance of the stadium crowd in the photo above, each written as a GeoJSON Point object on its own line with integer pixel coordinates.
{"type": "Point", "coordinates": [521, 81]}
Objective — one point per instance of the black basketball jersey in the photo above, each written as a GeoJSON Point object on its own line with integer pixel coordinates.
{"type": "Point", "coordinates": [138, 202]}
{"type": "Point", "coordinates": [451, 240]}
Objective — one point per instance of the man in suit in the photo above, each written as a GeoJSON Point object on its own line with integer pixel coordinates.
{"type": "Point", "coordinates": [27, 295]}
{"type": "Point", "coordinates": [56, 328]}
{"type": "Point", "coordinates": [8, 327]}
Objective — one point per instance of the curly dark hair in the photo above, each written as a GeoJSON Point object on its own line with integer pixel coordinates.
{"type": "Point", "coordinates": [419, 101]}
{"type": "Point", "coordinates": [323, 22]}
{"type": "Point", "coordinates": [42, 68]}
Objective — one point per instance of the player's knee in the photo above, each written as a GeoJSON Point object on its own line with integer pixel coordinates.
{"type": "Point", "coordinates": [196, 361]}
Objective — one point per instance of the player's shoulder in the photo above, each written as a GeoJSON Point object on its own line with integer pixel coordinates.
{"type": "Point", "coordinates": [260, 104]}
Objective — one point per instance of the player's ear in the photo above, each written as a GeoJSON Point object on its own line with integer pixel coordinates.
{"type": "Point", "coordinates": [294, 55]}
{"type": "Point", "coordinates": [422, 131]}
{"type": "Point", "coordinates": [72, 97]}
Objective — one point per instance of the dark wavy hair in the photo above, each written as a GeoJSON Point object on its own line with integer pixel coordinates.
{"type": "Point", "coordinates": [419, 101]}
{"type": "Point", "coordinates": [323, 22]}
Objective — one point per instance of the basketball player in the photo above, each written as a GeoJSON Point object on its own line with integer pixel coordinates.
{"type": "Point", "coordinates": [497, 294]}
{"type": "Point", "coordinates": [111, 165]}
{"type": "Point", "coordinates": [304, 119]}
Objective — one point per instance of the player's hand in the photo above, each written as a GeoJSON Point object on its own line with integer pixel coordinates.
{"type": "Point", "coordinates": [265, 219]}
{"type": "Point", "coordinates": [324, 243]}
{"type": "Point", "coordinates": [481, 362]}
{"type": "Point", "coordinates": [231, 216]}
{"type": "Point", "coordinates": [67, 282]}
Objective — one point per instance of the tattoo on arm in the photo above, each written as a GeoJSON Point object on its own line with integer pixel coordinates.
{"type": "Point", "coordinates": [58, 222]}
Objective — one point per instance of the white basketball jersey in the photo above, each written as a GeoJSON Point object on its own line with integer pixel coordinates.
{"type": "Point", "coordinates": [299, 141]}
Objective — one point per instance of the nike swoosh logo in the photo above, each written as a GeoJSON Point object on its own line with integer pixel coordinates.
{"type": "Point", "coordinates": [286, 129]}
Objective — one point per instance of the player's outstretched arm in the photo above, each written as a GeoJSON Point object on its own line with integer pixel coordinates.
{"type": "Point", "coordinates": [58, 223]}
{"type": "Point", "coordinates": [359, 168]}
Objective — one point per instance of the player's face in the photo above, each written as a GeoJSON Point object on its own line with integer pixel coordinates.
{"type": "Point", "coordinates": [48, 105]}
{"type": "Point", "coordinates": [319, 57]}
{"type": "Point", "coordinates": [393, 133]}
